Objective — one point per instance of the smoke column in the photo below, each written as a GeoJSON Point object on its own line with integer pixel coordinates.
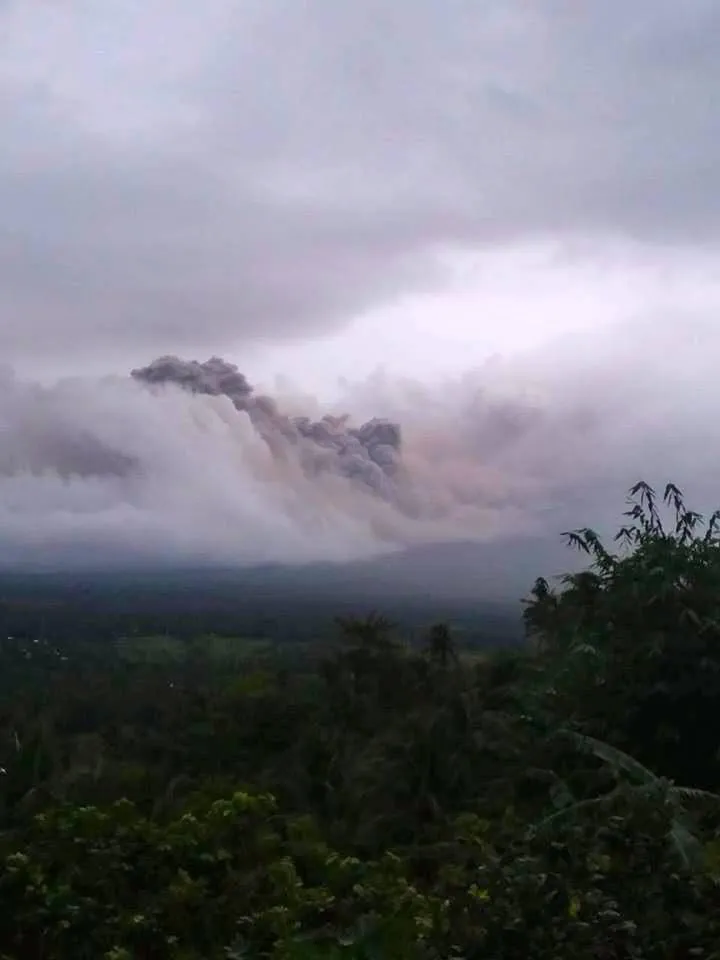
{"type": "Point", "coordinates": [367, 456]}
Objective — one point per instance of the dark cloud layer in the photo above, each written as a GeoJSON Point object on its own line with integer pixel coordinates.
{"type": "Point", "coordinates": [178, 179]}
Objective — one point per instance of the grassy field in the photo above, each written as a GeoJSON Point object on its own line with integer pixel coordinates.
{"type": "Point", "coordinates": [229, 651]}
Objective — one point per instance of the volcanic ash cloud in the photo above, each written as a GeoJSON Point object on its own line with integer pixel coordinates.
{"type": "Point", "coordinates": [184, 462]}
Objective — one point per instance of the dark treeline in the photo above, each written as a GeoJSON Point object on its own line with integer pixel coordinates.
{"type": "Point", "coordinates": [386, 794]}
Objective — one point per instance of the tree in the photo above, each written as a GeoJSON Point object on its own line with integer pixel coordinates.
{"type": "Point", "coordinates": [631, 647]}
{"type": "Point", "coordinates": [440, 646]}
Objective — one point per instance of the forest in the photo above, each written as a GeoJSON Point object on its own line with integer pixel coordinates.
{"type": "Point", "coordinates": [379, 792]}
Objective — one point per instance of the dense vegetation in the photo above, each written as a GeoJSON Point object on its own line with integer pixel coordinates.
{"type": "Point", "coordinates": [380, 798]}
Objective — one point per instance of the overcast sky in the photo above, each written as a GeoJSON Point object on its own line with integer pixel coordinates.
{"type": "Point", "coordinates": [321, 187]}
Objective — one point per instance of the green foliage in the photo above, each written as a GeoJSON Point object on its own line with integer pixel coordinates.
{"type": "Point", "coordinates": [88, 882]}
{"type": "Point", "coordinates": [643, 783]}
{"type": "Point", "coordinates": [384, 799]}
{"type": "Point", "coordinates": [632, 645]}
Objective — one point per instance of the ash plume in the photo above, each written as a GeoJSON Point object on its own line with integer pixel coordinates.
{"type": "Point", "coordinates": [368, 456]}
{"type": "Point", "coordinates": [183, 461]}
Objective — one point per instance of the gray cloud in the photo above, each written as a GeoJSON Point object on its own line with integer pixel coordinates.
{"type": "Point", "coordinates": [179, 180]}
{"type": "Point", "coordinates": [367, 455]}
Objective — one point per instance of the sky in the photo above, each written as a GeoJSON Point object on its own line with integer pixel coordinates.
{"type": "Point", "coordinates": [355, 202]}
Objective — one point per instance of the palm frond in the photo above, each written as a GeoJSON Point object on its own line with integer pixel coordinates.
{"type": "Point", "coordinates": [613, 756]}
